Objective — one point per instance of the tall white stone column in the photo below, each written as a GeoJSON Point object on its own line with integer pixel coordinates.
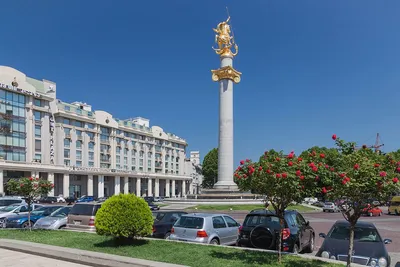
{"type": "Point", "coordinates": [225, 145]}
{"type": "Point", "coordinates": [50, 178]}
{"type": "Point", "coordinates": [173, 188]}
{"type": "Point", "coordinates": [138, 187]}
{"type": "Point", "coordinates": [100, 186]}
{"type": "Point", "coordinates": [126, 185]}
{"type": "Point", "coordinates": [184, 188]}
{"type": "Point", "coordinates": [167, 186]}
{"type": "Point", "coordinates": [117, 185]}
{"type": "Point", "coordinates": [90, 185]}
{"type": "Point", "coordinates": [66, 185]}
{"type": "Point", "coordinates": [1, 183]}
{"type": "Point", "coordinates": [149, 187]}
{"type": "Point", "coordinates": [157, 187]}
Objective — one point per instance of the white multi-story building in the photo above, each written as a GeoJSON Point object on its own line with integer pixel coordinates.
{"type": "Point", "coordinates": [83, 152]}
{"type": "Point", "coordinates": [193, 168]}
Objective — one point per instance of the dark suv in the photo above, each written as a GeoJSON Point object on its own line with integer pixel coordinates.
{"type": "Point", "coordinates": [261, 228]}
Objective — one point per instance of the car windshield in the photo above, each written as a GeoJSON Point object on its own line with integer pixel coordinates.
{"type": "Point", "coordinates": [158, 216]}
{"type": "Point", "coordinates": [9, 208]}
{"type": "Point", "coordinates": [190, 222]}
{"type": "Point", "coordinates": [61, 212]}
{"type": "Point", "coordinates": [39, 211]}
{"type": "Point", "coordinates": [361, 234]}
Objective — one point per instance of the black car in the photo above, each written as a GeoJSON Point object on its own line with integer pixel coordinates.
{"type": "Point", "coordinates": [261, 228]}
{"type": "Point", "coordinates": [149, 199]}
{"type": "Point", "coordinates": [48, 200]}
{"type": "Point", "coordinates": [153, 206]}
{"type": "Point", "coordinates": [369, 247]}
{"type": "Point", "coordinates": [163, 222]}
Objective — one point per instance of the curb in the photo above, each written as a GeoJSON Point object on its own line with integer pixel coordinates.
{"type": "Point", "coordinates": [94, 259]}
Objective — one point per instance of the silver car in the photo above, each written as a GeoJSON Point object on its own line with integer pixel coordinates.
{"type": "Point", "coordinates": [56, 220]}
{"type": "Point", "coordinates": [330, 207]}
{"type": "Point", "coordinates": [206, 228]}
{"type": "Point", "coordinates": [12, 210]}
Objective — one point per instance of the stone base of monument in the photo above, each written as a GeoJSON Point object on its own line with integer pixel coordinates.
{"type": "Point", "coordinates": [219, 194]}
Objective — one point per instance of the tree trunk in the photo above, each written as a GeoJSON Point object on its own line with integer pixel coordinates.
{"type": "Point", "coordinates": [29, 215]}
{"type": "Point", "coordinates": [351, 245]}
{"type": "Point", "coordinates": [282, 224]}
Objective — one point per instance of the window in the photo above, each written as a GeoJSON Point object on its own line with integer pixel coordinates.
{"type": "Point", "coordinates": [38, 145]}
{"type": "Point", "coordinates": [66, 121]}
{"type": "Point", "coordinates": [78, 144]}
{"type": "Point", "coordinates": [141, 153]}
{"type": "Point", "coordinates": [67, 162]}
{"type": "Point", "coordinates": [140, 162]}
{"type": "Point", "coordinates": [190, 222]}
{"type": "Point", "coordinates": [231, 222]}
{"type": "Point", "coordinates": [78, 155]}
{"type": "Point", "coordinates": [78, 163]}
{"type": "Point", "coordinates": [67, 142]}
{"type": "Point", "coordinates": [91, 135]}
{"type": "Point", "coordinates": [91, 146]}
{"type": "Point", "coordinates": [90, 125]}
{"type": "Point", "coordinates": [37, 102]}
{"type": "Point", "coordinates": [91, 164]}
{"type": "Point", "coordinates": [78, 124]}
{"type": "Point", "coordinates": [118, 159]}
{"type": "Point", "coordinates": [149, 163]}
{"type": "Point", "coordinates": [118, 150]}
{"type": "Point", "coordinates": [38, 156]}
{"type": "Point", "coordinates": [125, 160]}
{"type": "Point", "coordinates": [38, 131]}
{"type": "Point", "coordinates": [218, 222]}
{"type": "Point", "coordinates": [67, 108]}
{"type": "Point", "coordinates": [66, 153]}
{"type": "Point", "coordinates": [91, 155]}
{"type": "Point", "coordinates": [37, 115]}
{"type": "Point", "coordinates": [67, 131]}
{"type": "Point", "coordinates": [78, 133]}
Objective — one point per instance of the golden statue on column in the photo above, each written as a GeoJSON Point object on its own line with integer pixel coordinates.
{"type": "Point", "coordinates": [224, 39]}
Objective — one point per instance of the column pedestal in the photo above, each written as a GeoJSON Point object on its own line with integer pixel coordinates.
{"type": "Point", "coordinates": [90, 185]}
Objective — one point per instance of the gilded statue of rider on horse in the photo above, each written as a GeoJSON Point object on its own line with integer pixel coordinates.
{"type": "Point", "coordinates": [224, 39]}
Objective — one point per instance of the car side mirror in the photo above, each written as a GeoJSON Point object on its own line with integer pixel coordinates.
{"type": "Point", "coordinates": [387, 241]}
{"type": "Point", "coordinates": [322, 235]}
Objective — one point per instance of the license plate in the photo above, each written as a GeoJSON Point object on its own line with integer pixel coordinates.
{"type": "Point", "coordinates": [77, 222]}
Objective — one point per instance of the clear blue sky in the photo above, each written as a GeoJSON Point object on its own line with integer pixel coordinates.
{"type": "Point", "coordinates": [310, 68]}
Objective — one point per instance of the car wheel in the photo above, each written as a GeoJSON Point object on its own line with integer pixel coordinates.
{"type": "Point", "coordinates": [310, 247]}
{"type": "Point", "coordinates": [295, 249]}
{"type": "Point", "coordinates": [61, 227]}
{"type": "Point", "coordinates": [396, 212]}
{"type": "Point", "coordinates": [214, 241]}
{"type": "Point", "coordinates": [323, 210]}
{"type": "Point", "coordinates": [167, 235]}
{"type": "Point", "coordinates": [370, 214]}
{"type": "Point", "coordinates": [27, 224]}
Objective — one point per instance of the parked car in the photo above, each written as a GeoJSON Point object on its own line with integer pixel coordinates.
{"type": "Point", "coordinates": [56, 220]}
{"type": "Point", "coordinates": [310, 200]}
{"type": "Point", "coordinates": [372, 211]}
{"type": "Point", "coordinates": [163, 222]}
{"type": "Point", "coordinates": [22, 220]}
{"type": "Point", "coordinates": [153, 206]}
{"type": "Point", "coordinates": [82, 216]}
{"type": "Point", "coordinates": [369, 248]}
{"type": "Point", "coordinates": [394, 205]}
{"type": "Point", "coordinates": [206, 228]}
{"type": "Point", "coordinates": [85, 199]}
{"type": "Point", "coordinates": [60, 199]}
{"type": "Point", "coordinates": [102, 199]}
{"type": "Point", "coordinates": [6, 201]}
{"type": "Point", "coordinates": [158, 199]}
{"type": "Point", "coordinates": [7, 211]}
{"type": "Point", "coordinates": [149, 199]}
{"type": "Point", "coordinates": [261, 229]}
{"type": "Point", "coordinates": [319, 204]}
{"type": "Point", "coordinates": [330, 207]}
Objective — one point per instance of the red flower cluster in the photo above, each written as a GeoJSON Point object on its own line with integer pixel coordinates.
{"type": "Point", "coordinates": [395, 180]}
{"type": "Point", "coordinates": [345, 180]}
{"type": "Point", "coordinates": [334, 137]}
{"type": "Point", "coordinates": [322, 155]}
{"type": "Point", "coordinates": [356, 166]}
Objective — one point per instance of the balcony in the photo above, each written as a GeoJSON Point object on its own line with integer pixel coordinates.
{"type": "Point", "coordinates": [103, 141]}
{"type": "Point", "coordinates": [105, 160]}
{"type": "Point", "coordinates": [79, 137]}
{"type": "Point", "coordinates": [72, 109]}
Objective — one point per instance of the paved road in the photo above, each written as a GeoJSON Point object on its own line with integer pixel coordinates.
{"type": "Point", "coordinates": [11, 258]}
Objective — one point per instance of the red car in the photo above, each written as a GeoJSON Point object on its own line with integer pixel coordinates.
{"type": "Point", "coordinates": [372, 211]}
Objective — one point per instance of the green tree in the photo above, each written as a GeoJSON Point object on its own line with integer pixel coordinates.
{"type": "Point", "coordinates": [281, 179]}
{"type": "Point", "coordinates": [210, 169]}
{"type": "Point", "coordinates": [124, 216]}
{"type": "Point", "coordinates": [29, 188]}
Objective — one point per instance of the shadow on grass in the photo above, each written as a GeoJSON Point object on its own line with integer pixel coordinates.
{"type": "Point", "coordinates": [121, 242]}
{"type": "Point", "coordinates": [260, 258]}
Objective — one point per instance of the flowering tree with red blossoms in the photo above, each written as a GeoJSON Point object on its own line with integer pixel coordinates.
{"type": "Point", "coordinates": [280, 177]}
{"type": "Point", "coordinates": [29, 189]}
{"type": "Point", "coordinates": [353, 178]}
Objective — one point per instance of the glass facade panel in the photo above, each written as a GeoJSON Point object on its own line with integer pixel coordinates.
{"type": "Point", "coordinates": [12, 126]}
{"type": "Point", "coordinates": [38, 131]}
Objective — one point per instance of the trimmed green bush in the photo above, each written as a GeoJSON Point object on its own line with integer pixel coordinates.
{"type": "Point", "coordinates": [124, 215]}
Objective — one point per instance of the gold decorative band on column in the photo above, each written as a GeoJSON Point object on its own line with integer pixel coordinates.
{"type": "Point", "coordinates": [226, 73]}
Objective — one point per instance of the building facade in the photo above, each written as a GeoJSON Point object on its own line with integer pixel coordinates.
{"type": "Point", "coordinates": [193, 168]}
{"type": "Point", "coordinates": [83, 152]}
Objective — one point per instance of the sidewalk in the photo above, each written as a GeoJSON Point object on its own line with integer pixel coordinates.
{"type": "Point", "coordinates": [77, 256]}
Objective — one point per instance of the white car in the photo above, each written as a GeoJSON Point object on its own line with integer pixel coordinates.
{"type": "Point", "coordinates": [60, 199]}
{"type": "Point", "coordinates": [330, 207]}
{"type": "Point", "coordinates": [13, 210]}
{"type": "Point", "coordinates": [310, 200]}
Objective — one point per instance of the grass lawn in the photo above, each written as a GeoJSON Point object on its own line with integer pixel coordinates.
{"type": "Point", "coordinates": [246, 207]}
{"type": "Point", "coordinates": [158, 250]}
